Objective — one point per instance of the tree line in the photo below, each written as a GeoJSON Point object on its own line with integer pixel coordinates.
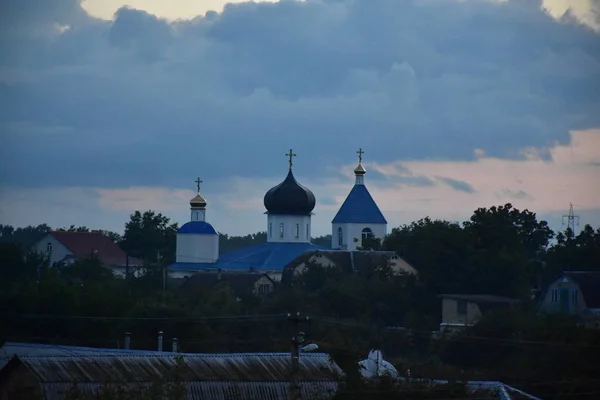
{"type": "Point", "coordinates": [499, 250]}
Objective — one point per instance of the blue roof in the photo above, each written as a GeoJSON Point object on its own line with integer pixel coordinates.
{"type": "Point", "coordinates": [359, 208]}
{"type": "Point", "coordinates": [261, 257]}
{"type": "Point", "coordinates": [197, 227]}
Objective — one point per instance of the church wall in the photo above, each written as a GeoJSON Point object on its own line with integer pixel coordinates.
{"type": "Point", "coordinates": [59, 251]}
{"type": "Point", "coordinates": [194, 248]}
{"type": "Point", "coordinates": [351, 231]}
{"type": "Point", "coordinates": [289, 228]}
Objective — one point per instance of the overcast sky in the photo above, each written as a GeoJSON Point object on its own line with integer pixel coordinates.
{"type": "Point", "coordinates": [108, 109]}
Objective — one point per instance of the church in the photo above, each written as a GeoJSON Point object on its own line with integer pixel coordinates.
{"type": "Point", "coordinates": [289, 207]}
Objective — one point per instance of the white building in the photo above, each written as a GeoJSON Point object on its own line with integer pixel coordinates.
{"type": "Point", "coordinates": [359, 217]}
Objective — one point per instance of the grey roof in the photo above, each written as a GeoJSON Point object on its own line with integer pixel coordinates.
{"type": "Point", "coordinates": [347, 261]}
{"type": "Point", "coordinates": [11, 349]}
{"type": "Point", "coordinates": [240, 282]}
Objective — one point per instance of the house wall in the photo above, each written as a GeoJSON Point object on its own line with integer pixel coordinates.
{"type": "Point", "coordinates": [450, 314]}
{"type": "Point", "coordinates": [317, 259]}
{"type": "Point", "coordinates": [18, 383]}
{"type": "Point", "coordinates": [564, 296]}
{"type": "Point", "coordinates": [196, 248]}
{"type": "Point", "coordinates": [262, 281]}
{"type": "Point", "coordinates": [352, 231]}
{"type": "Point", "coordinates": [398, 265]}
{"type": "Point", "coordinates": [289, 228]}
{"type": "Point", "coordinates": [58, 253]}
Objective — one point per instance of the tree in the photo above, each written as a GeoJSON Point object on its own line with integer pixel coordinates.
{"type": "Point", "coordinates": [24, 237]}
{"type": "Point", "coordinates": [150, 237]}
{"type": "Point", "coordinates": [507, 247]}
{"type": "Point", "coordinates": [579, 253]}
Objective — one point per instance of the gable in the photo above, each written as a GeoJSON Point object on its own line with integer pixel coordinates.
{"type": "Point", "coordinates": [359, 208]}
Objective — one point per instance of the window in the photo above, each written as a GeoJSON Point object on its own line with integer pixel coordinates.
{"type": "Point", "coordinates": [574, 296]}
{"type": "Point", "coordinates": [49, 248]}
{"type": "Point", "coordinates": [340, 237]}
{"type": "Point", "coordinates": [367, 233]}
{"type": "Point", "coordinates": [554, 296]}
{"type": "Point", "coordinates": [461, 307]}
{"type": "Point", "coordinates": [270, 229]}
{"type": "Point", "coordinates": [297, 234]}
{"type": "Point", "coordinates": [281, 231]}
{"type": "Point", "coordinates": [307, 232]}
{"type": "Point", "coordinates": [264, 288]}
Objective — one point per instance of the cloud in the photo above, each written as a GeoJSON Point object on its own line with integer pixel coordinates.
{"type": "Point", "coordinates": [235, 206]}
{"type": "Point", "coordinates": [456, 184]}
{"type": "Point", "coordinates": [141, 101]}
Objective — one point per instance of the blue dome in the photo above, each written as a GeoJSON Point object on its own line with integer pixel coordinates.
{"type": "Point", "coordinates": [197, 227]}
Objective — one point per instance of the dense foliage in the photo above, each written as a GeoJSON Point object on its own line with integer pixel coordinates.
{"type": "Point", "coordinates": [500, 250]}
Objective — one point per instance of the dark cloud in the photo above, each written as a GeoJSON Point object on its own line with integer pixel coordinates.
{"type": "Point", "coordinates": [456, 184]}
{"type": "Point", "coordinates": [516, 194]}
{"type": "Point", "coordinates": [139, 100]}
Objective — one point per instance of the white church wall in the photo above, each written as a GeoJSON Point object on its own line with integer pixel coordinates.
{"type": "Point", "coordinates": [288, 228]}
{"type": "Point", "coordinates": [196, 248]}
{"type": "Point", "coordinates": [352, 231]}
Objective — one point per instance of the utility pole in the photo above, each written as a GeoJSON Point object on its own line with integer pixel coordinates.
{"type": "Point", "coordinates": [572, 219]}
{"type": "Point", "coordinates": [294, 389]}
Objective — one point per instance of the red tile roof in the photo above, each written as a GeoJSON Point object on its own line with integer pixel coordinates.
{"type": "Point", "coordinates": [84, 244]}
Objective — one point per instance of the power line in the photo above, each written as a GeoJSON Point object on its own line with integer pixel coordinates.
{"type": "Point", "coordinates": [571, 220]}
{"type": "Point", "coordinates": [268, 317]}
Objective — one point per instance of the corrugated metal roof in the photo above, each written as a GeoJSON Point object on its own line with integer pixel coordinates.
{"type": "Point", "coordinates": [236, 367]}
{"type": "Point", "coordinates": [206, 376]}
{"type": "Point", "coordinates": [10, 349]}
{"type": "Point", "coordinates": [214, 390]}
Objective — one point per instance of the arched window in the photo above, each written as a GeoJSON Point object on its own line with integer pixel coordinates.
{"type": "Point", "coordinates": [281, 230]}
{"type": "Point", "coordinates": [49, 248]}
{"type": "Point", "coordinates": [367, 233]}
{"type": "Point", "coordinates": [270, 229]}
{"type": "Point", "coordinates": [297, 233]}
{"type": "Point", "coordinates": [307, 233]}
{"type": "Point", "coordinates": [340, 237]}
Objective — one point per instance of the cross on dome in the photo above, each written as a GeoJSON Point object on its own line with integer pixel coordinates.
{"type": "Point", "coordinates": [290, 155]}
{"type": "Point", "coordinates": [360, 152]}
{"type": "Point", "coordinates": [198, 182]}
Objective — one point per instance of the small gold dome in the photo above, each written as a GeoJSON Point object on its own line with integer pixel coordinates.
{"type": "Point", "coordinates": [360, 170]}
{"type": "Point", "coordinates": [198, 202]}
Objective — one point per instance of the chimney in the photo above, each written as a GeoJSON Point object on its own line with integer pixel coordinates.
{"type": "Point", "coordinates": [160, 340]}
{"type": "Point", "coordinates": [127, 340]}
{"type": "Point", "coordinates": [175, 345]}
{"type": "Point", "coordinates": [219, 274]}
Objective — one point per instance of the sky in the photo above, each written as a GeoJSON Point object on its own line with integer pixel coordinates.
{"type": "Point", "coordinates": [111, 107]}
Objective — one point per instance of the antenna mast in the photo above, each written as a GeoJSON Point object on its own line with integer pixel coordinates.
{"type": "Point", "coordinates": [572, 219]}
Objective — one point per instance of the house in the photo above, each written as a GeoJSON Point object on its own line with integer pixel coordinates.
{"type": "Point", "coordinates": [67, 247]}
{"type": "Point", "coordinates": [241, 283]}
{"type": "Point", "coordinates": [463, 310]}
{"type": "Point", "coordinates": [346, 261]}
{"type": "Point", "coordinates": [576, 293]}
{"type": "Point", "coordinates": [203, 376]}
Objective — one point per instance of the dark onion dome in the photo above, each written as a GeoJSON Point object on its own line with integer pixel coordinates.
{"type": "Point", "coordinates": [198, 202]}
{"type": "Point", "coordinates": [290, 198]}
{"type": "Point", "coordinates": [198, 228]}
